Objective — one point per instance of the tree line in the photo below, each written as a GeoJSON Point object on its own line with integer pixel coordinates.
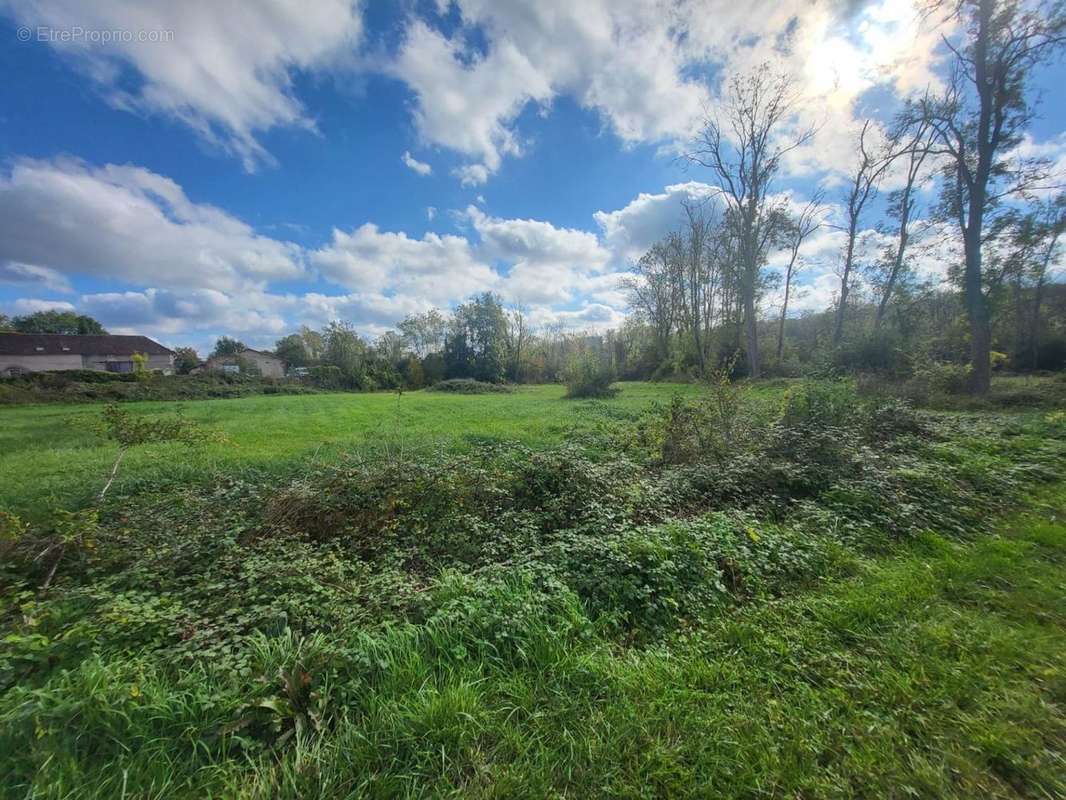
{"type": "Point", "coordinates": [700, 289]}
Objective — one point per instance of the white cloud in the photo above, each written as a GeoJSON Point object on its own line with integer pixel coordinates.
{"type": "Point", "coordinates": [536, 242]}
{"type": "Point", "coordinates": [224, 69]}
{"type": "Point", "coordinates": [15, 273]}
{"type": "Point", "coordinates": [28, 305]}
{"type": "Point", "coordinates": [472, 174]}
{"type": "Point", "coordinates": [591, 317]}
{"type": "Point", "coordinates": [631, 230]}
{"type": "Point", "coordinates": [437, 269]}
{"type": "Point", "coordinates": [547, 264]}
{"type": "Point", "coordinates": [1053, 151]}
{"type": "Point", "coordinates": [431, 213]}
{"type": "Point", "coordinates": [465, 104]}
{"type": "Point", "coordinates": [646, 67]}
{"type": "Point", "coordinates": [126, 223]}
{"type": "Point", "coordinates": [412, 163]}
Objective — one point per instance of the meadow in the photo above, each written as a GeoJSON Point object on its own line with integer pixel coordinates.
{"type": "Point", "coordinates": [51, 455]}
{"type": "Point", "coordinates": [780, 589]}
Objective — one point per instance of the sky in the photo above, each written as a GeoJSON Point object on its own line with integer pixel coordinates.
{"type": "Point", "coordinates": [188, 170]}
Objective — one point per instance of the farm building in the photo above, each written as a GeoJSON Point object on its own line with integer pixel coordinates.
{"type": "Point", "coordinates": [249, 361]}
{"type": "Point", "coordinates": [38, 352]}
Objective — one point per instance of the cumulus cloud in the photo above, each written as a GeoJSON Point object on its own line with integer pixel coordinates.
{"type": "Point", "coordinates": [592, 317]}
{"type": "Point", "coordinates": [472, 174]}
{"type": "Point", "coordinates": [436, 268]}
{"type": "Point", "coordinates": [651, 69]}
{"type": "Point", "coordinates": [547, 264]}
{"type": "Point", "coordinates": [466, 103]}
{"type": "Point", "coordinates": [413, 164]}
{"type": "Point", "coordinates": [29, 305]}
{"type": "Point", "coordinates": [13, 272]}
{"type": "Point", "coordinates": [631, 230]}
{"type": "Point", "coordinates": [224, 69]}
{"type": "Point", "coordinates": [126, 223]}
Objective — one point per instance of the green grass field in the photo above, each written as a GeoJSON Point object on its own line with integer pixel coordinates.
{"type": "Point", "coordinates": [50, 455]}
{"type": "Point", "coordinates": [857, 601]}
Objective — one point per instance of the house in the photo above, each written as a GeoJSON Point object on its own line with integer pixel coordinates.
{"type": "Point", "coordinates": [251, 361]}
{"type": "Point", "coordinates": [37, 352]}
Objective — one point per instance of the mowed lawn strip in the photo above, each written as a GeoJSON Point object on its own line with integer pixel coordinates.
{"type": "Point", "coordinates": [50, 455]}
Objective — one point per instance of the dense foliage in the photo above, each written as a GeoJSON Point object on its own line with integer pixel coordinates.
{"type": "Point", "coordinates": [91, 386]}
{"type": "Point", "coordinates": [467, 386]}
{"type": "Point", "coordinates": [53, 321]}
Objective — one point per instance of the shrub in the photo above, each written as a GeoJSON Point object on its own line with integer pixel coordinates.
{"type": "Point", "coordinates": [892, 417]}
{"type": "Point", "coordinates": [820, 404]}
{"type": "Point", "coordinates": [326, 377]}
{"type": "Point", "coordinates": [878, 352]}
{"type": "Point", "coordinates": [588, 376]}
{"type": "Point", "coordinates": [468, 386]}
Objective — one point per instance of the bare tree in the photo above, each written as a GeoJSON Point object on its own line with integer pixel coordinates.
{"type": "Point", "coordinates": [809, 220]}
{"type": "Point", "coordinates": [1052, 220]}
{"type": "Point", "coordinates": [868, 174]}
{"type": "Point", "coordinates": [743, 148]}
{"type": "Point", "coordinates": [1035, 246]}
{"type": "Point", "coordinates": [653, 292]}
{"type": "Point", "coordinates": [978, 121]}
{"type": "Point", "coordinates": [913, 143]}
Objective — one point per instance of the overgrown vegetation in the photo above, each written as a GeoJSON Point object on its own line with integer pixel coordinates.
{"type": "Point", "coordinates": [734, 589]}
{"type": "Point", "coordinates": [91, 386]}
{"type": "Point", "coordinates": [468, 386]}
{"type": "Point", "coordinates": [588, 375]}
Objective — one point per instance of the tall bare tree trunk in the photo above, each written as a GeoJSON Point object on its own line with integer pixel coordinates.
{"type": "Point", "coordinates": [845, 282]}
{"type": "Point", "coordinates": [751, 332]}
{"type": "Point", "coordinates": [973, 288]}
{"type": "Point", "coordinates": [781, 321]}
{"type": "Point", "coordinates": [977, 312]}
{"type": "Point", "coordinates": [897, 265]}
{"type": "Point", "coordinates": [1034, 323]}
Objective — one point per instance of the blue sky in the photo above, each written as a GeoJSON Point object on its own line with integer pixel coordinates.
{"type": "Point", "coordinates": [192, 169]}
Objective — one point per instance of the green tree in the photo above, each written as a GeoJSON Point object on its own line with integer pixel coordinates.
{"type": "Point", "coordinates": [227, 346]}
{"type": "Point", "coordinates": [292, 350]}
{"type": "Point", "coordinates": [6, 325]}
{"type": "Point", "coordinates": [979, 120]}
{"type": "Point", "coordinates": [345, 350]}
{"type": "Point", "coordinates": [185, 360]}
{"type": "Point", "coordinates": [424, 333]}
{"type": "Point", "coordinates": [476, 342]}
{"type": "Point", "coordinates": [56, 321]}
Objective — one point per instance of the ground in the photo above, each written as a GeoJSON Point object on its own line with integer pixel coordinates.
{"type": "Point", "coordinates": [50, 454]}
{"type": "Point", "coordinates": [894, 632]}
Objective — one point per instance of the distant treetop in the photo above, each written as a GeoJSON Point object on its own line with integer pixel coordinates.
{"type": "Point", "coordinates": [55, 321]}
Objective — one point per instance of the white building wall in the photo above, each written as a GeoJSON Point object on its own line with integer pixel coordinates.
{"type": "Point", "coordinates": [65, 361]}
{"type": "Point", "coordinates": [99, 362]}
{"type": "Point", "coordinates": [40, 363]}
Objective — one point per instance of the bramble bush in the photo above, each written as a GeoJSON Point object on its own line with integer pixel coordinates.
{"type": "Point", "coordinates": [468, 386]}
{"type": "Point", "coordinates": [587, 375]}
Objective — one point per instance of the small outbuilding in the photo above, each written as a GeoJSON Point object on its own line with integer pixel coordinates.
{"type": "Point", "coordinates": [247, 361]}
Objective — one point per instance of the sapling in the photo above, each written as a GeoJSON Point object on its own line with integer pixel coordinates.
{"type": "Point", "coordinates": [127, 430]}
